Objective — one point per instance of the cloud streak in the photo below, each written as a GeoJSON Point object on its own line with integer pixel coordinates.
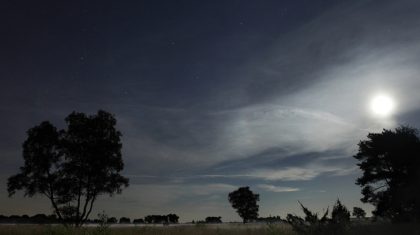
{"type": "Point", "coordinates": [277, 189]}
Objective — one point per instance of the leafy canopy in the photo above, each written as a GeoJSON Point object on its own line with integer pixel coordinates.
{"type": "Point", "coordinates": [73, 166]}
{"type": "Point", "coordinates": [245, 203]}
{"type": "Point", "coordinates": [390, 162]}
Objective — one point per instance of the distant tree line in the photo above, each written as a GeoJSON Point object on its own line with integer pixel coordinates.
{"type": "Point", "coordinates": [52, 219]}
{"type": "Point", "coordinates": [269, 219]}
{"type": "Point", "coordinates": [209, 220]}
{"type": "Point", "coordinates": [161, 219]}
{"type": "Point", "coordinates": [35, 219]}
{"type": "Point", "coordinates": [149, 219]}
{"type": "Point", "coordinates": [213, 219]}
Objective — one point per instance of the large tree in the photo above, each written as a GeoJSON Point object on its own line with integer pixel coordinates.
{"type": "Point", "coordinates": [245, 203]}
{"type": "Point", "coordinates": [73, 166]}
{"type": "Point", "coordinates": [390, 162]}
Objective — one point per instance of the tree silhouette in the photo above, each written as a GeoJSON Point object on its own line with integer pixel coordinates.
{"type": "Point", "coordinates": [213, 219]}
{"type": "Point", "coordinates": [340, 214]}
{"type": "Point", "coordinates": [245, 203]}
{"type": "Point", "coordinates": [390, 162]}
{"type": "Point", "coordinates": [124, 220]}
{"type": "Point", "coordinates": [72, 167]}
{"type": "Point", "coordinates": [340, 218]}
{"type": "Point", "coordinates": [358, 212]}
{"type": "Point", "coordinates": [112, 220]}
{"type": "Point", "coordinates": [173, 218]}
{"type": "Point", "coordinates": [138, 221]}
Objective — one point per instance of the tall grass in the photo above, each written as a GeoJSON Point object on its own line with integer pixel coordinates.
{"type": "Point", "coordinates": [367, 229]}
{"type": "Point", "coordinates": [171, 230]}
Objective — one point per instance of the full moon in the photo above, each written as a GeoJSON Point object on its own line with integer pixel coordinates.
{"type": "Point", "coordinates": [382, 105]}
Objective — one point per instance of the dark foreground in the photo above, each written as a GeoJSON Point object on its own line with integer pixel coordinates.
{"type": "Point", "coordinates": [223, 229]}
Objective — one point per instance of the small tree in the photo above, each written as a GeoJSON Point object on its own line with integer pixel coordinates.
{"type": "Point", "coordinates": [245, 203]}
{"type": "Point", "coordinates": [340, 214]}
{"type": "Point", "coordinates": [124, 220]}
{"type": "Point", "coordinates": [358, 212]}
{"type": "Point", "coordinates": [173, 218]}
{"type": "Point", "coordinates": [213, 219]}
{"type": "Point", "coordinates": [340, 218]}
{"type": "Point", "coordinates": [138, 221]}
{"type": "Point", "coordinates": [149, 219]}
{"type": "Point", "coordinates": [72, 167]}
{"type": "Point", "coordinates": [112, 220]}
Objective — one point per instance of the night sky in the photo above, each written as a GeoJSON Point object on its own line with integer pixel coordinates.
{"type": "Point", "coordinates": [212, 95]}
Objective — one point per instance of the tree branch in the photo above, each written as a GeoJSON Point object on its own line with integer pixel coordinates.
{"type": "Point", "coordinates": [88, 197]}
{"type": "Point", "coordinates": [90, 209]}
{"type": "Point", "coordinates": [373, 190]}
{"type": "Point", "coordinates": [51, 197]}
{"type": "Point", "coordinates": [85, 206]}
{"type": "Point", "coordinates": [57, 211]}
{"type": "Point", "coordinates": [78, 218]}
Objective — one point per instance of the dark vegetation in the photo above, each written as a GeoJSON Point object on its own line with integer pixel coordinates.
{"type": "Point", "coordinates": [214, 219]}
{"type": "Point", "coordinates": [72, 167]}
{"type": "Point", "coordinates": [358, 212]}
{"type": "Point", "coordinates": [338, 223]}
{"type": "Point", "coordinates": [125, 220]}
{"type": "Point", "coordinates": [390, 162]}
{"type": "Point", "coordinates": [209, 220]}
{"type": "Point", "coordinates": [112, 220]}
{"type": "Point", "coordinates": [52, 219]}
{"type": "Point", "coordinates": [35, 219]}
{"type": "Point", "coordinates": [270, 219]}
{"type": "Point", "coordinates": [161, 219]}
{"type": "Point", "coordinates": [245, 203]}
{"type": "Point", "coordinates": [138, 221]}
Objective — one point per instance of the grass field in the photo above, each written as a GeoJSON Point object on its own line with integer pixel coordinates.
{"type": "Point", "coordinates": [227, 229]}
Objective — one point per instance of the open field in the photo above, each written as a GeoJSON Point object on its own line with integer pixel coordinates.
{"type": "Point", "coordinates": [225, 229]}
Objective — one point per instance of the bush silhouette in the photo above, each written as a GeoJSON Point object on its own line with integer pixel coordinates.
{"type": "Point", "coordinates": [358, 212]}
{"type": "Point", "coordinates": [314, 225]}
{"type": "Point", "coordinates": [138, 221]}
{"type": "Point", "coordinates": [214, 219]}
{"type": "Point", "coordinates": [125, 220]}
{"type": "Point", "coordinates": [311, 224]}
{"type": "Point", "coordinates": [112, 220]}
{"type": "Point", "coordinates": [340, 217]}
{"type": "Point", "coordinates": [161, 219]}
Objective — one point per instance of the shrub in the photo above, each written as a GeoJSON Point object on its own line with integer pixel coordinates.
{"type": "Point", "coordinates": [124, 220]}
{"type": "Point", "coordinates": [313, 225]}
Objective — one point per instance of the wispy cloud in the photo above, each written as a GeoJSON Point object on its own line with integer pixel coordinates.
{"type": "Point", "coordinates": [277, 189]}
{"type": "Point", "coordinates": [300, 173]}
{"type": "Point", "coordinates": [304, 173]}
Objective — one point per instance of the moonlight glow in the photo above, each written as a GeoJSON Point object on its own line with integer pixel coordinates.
{"type": "Point", "coordinates": [382, 105]}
